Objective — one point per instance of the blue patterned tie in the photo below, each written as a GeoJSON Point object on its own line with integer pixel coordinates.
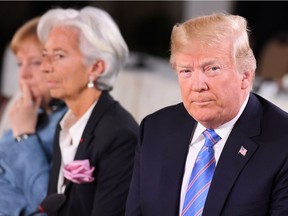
{"type": "Point", "coordinates": [201, 176]}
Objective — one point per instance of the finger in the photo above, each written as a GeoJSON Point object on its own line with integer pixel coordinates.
{"type": "Point", "coordinates": [26, 94]}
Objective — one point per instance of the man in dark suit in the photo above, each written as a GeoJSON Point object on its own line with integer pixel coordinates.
{"type": "Point", "coordinates": [224, 150]}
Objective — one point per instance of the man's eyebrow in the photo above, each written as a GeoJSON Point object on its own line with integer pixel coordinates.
{"type": "Point", "coordinates": [202, 64]}
{"type": "Point", "coordinates": [208, 62]}
{"type": "Point", "coordinates": [58, 50]}
{"type": "Point", "coordinates": [184, 65]}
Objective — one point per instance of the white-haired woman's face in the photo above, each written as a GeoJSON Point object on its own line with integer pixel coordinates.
{"type": "Point", "coordinates": [63, 64]}
{"type": "Point", "coordinates": [29, 59]}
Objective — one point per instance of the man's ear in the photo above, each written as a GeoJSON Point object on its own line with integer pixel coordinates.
{"type": "Point", "coordinates": [246, 79]}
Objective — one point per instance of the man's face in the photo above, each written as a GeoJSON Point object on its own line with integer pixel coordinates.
{"type": "Point", "coordinates": [211, 87]}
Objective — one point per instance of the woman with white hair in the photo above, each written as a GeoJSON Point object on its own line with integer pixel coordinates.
{"type": "Point", "coordinates": [95, 141]}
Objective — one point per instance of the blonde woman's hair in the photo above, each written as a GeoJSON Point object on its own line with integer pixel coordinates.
{"type": "Point", "coordinates": [27, 30]}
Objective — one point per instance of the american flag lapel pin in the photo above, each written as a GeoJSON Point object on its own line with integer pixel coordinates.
{"type": "Point", "coordinates": [242, 151]}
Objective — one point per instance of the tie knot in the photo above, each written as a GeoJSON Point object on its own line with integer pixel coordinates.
{"type": "Point", "coordinates": [211, 137]}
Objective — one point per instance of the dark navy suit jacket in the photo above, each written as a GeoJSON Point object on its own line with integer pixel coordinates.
{"type": "Point", "coordinates": [252, 185]}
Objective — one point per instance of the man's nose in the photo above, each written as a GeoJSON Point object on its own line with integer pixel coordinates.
{"type": "Point", "coordinates": [198, 81]}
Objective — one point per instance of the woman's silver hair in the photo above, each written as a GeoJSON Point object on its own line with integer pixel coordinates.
{"type": "Point", "coordinates": [216, 29]}
{"type": "Point", "coordinates": [100, 38]}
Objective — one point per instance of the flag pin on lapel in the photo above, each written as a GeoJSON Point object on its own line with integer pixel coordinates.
{"type": "Point", "coordinates": [242, 151]}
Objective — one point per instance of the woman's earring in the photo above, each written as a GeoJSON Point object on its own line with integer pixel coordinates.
{"type": "Point", "coordinates": [90, 83]}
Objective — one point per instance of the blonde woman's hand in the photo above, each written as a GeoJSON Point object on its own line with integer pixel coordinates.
{"type": "Point", "coordinates": [23, 114]}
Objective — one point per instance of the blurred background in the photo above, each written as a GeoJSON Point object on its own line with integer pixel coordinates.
{"type": "Point", "coordinates": [147, 83]}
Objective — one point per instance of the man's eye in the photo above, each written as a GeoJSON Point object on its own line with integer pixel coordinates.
{"type": "Point", "coordinates": [185, 71]}
{"type": "Point", "coordinates": [58, 56]}
{"type": "Point", "coordinates": [214, 68]}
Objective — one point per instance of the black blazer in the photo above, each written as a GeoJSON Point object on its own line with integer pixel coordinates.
{"type": "Point", "coordinates": [108, 141]}
{"type": "Point", "coordinates": [252, 185]}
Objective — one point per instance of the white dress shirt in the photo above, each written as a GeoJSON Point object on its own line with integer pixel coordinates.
{"type": "Point", "coordinates": [70, 135]}
{"type": "Point", "coordinates": [196, 144]}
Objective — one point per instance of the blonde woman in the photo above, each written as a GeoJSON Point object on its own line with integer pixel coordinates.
{"type": "Point", "coordinates": [26, 148]}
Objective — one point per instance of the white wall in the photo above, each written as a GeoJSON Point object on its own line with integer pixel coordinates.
{"type": "Point", "coordinates": [9, 79]}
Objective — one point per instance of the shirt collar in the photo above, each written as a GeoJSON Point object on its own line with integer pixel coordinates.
{"type": "Point", "coordinates": [76, 128]}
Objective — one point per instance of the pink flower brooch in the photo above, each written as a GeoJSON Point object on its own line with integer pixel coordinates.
{"type": "Point", "coordinates": [79, 171]}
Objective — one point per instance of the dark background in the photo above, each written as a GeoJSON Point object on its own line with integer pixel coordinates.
{"type": "Point", "coordinates": [146, 25]}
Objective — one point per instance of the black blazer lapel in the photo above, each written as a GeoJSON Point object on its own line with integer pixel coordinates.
{"type": "Point", "coordinates": [103, 104]}
{"type": "Point", "coordinates": [56, 158]}
{"type": "Point", "coordinates": [231, 161]}
{"type": "Point", "coordinates": [105, 101]}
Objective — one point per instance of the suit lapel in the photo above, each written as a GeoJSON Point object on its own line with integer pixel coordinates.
{"type": "Point", "coordinates": [53, 180]}
{"type": "Point", "coordinates": [105, 101]}
{"type": "Point", "coordinates": [175, 152]}
{"type": "Point", "coordinates": [231, 161]}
